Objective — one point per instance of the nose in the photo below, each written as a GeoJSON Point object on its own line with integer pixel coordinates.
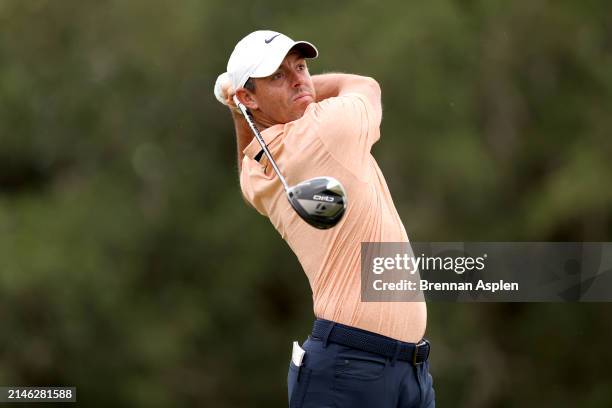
{"type": "Point", "coordinates": [297, 78]}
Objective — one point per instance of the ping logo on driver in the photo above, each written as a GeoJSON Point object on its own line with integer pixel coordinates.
{"type": "Point", "coordinates": [319, 197]}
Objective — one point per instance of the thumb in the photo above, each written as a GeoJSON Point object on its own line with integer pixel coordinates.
{"type": "Point", "coordinates": [222, 86]}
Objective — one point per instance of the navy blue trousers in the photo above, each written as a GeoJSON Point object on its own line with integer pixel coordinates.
{"type": "Point", "coordinates": [337, 376]}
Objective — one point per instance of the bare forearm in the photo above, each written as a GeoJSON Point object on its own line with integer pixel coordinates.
{"type": "Point", "coordinates": [243, 136]}
{"type": "Point", "coordinates": [331, 85]}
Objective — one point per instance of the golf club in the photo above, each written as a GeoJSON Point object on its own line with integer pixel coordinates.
{"type": "Point", "coordinates": [320, 201]}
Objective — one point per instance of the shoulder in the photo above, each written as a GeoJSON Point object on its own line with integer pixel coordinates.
{"type": "Point", "coordinates": [345, 102]}
{"type": "Point", "coordinates": [349, 107]}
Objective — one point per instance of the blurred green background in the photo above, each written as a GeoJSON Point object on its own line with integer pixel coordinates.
{"type": "Point", "coordinates": [131, 268]}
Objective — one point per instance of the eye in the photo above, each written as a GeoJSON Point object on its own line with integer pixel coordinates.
{"type": "Point", "coordinates": [277, 75]}
{"type": "Point", "coordinates": [301, 67]}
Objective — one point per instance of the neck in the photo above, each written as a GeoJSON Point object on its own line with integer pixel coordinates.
{"type": "Point", "coordinates": [262, 122]}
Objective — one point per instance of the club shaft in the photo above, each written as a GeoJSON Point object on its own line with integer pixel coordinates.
{"type": "Point", "coordinates": [262, 143]}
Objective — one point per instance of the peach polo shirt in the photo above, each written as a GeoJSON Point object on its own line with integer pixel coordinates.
{"type": "Point", "coordinates": [334, 138]}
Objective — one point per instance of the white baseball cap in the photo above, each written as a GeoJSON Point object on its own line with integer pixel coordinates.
{"type": "Point", "coordinates": [260, 53]}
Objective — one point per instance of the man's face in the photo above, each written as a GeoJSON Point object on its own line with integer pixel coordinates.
{"type": "Point", "coordinates": [283, 96]}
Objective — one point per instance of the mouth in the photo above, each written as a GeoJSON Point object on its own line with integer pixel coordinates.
{"type": "Point", "coordinates": [301, 97]}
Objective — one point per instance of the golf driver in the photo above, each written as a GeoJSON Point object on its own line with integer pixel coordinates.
{"type": "Point", "coordinates": [320, 201]}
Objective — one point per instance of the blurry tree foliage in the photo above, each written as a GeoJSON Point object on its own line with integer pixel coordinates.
{"type": "Point", "coordinates": [131, 268]}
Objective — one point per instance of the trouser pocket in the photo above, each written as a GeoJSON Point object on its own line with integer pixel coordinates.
{"type": "Point", "coordinates": [359, 380]}
{"type": "Point", "coordinates": [359, 367]}
{"type": "Point", "coordinates": [297, 384]}
{"type": "Point", "coordinates": [428, 395]}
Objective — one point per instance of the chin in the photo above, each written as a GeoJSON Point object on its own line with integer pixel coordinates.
{"type": "Point", "coordinates": [299, 113]}
{"type": "Point", "coordinates": [302, 105]}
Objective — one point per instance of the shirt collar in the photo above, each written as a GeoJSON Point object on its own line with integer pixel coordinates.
{"type": "Point", "coordinates": [268, 136]}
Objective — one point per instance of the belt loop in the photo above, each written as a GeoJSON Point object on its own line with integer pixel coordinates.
{"type": "Point", "coordinates": [396, 353]}
{"type": "Point", "coordinates": [327, 333]}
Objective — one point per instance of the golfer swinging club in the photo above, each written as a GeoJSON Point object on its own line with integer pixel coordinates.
{"type": "Point", "coordinates": [359, 354]}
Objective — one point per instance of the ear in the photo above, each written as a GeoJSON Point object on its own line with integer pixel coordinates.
{"type": "Point", "coordinates": [247, 98]}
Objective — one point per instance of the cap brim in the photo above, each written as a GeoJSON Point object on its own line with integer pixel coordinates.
{"type": "Point", "coordinates": [306, 49]}
{"type": "Point", "coordinates": [270, 65]}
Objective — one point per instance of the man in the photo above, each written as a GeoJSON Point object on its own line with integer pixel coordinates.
{"type": "Point", "coordinates": [360, 354]}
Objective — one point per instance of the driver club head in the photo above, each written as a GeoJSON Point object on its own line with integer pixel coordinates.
{"type": "Point", "coordinates": [320, 201]}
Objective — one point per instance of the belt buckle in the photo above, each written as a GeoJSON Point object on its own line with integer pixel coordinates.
{"type": "Point", "coordinates": [422, 343]}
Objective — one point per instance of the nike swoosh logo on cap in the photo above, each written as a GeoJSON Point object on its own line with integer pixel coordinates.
{"type": "Point", "coordinates": [269, 40]}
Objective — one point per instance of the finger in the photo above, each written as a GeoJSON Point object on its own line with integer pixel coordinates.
{"type": "Point", "coordinates": [221, 86]}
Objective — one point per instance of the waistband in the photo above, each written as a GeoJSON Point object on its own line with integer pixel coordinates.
{"type": "Point", "coordinates": [328, 331]}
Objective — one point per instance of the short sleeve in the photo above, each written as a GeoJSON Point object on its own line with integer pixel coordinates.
{"type": "Point", "coordinates": [348, 126]}
{"type": "Point", "coordinates": [247, 175]}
